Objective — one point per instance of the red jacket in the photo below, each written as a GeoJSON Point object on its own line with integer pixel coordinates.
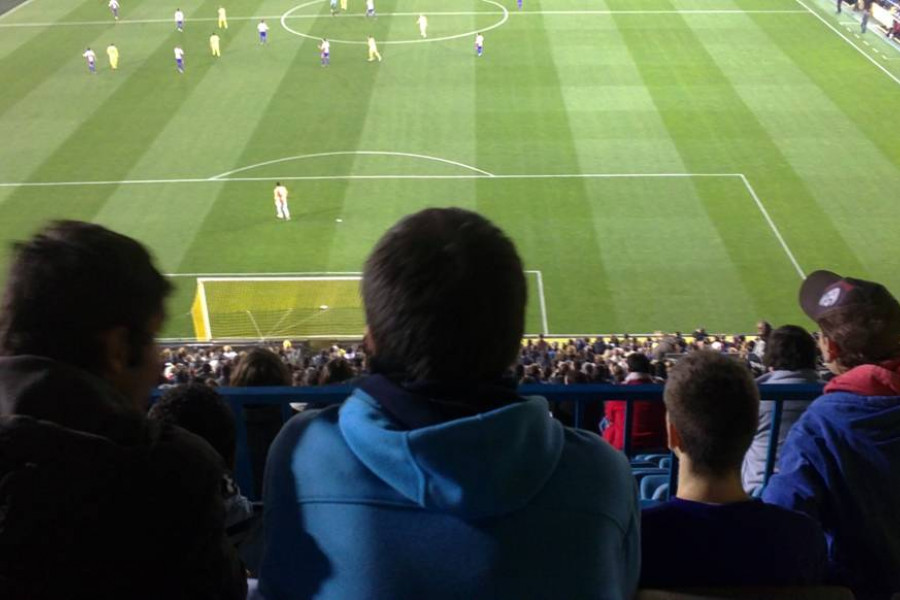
{"type": "Point", "coordinates": [648, 426]}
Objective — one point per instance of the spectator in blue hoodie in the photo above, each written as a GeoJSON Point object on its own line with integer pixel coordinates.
{"type": "Point", "coordinates": [841, 461]}
{"type": "Point", "coordinates": [434, 479]}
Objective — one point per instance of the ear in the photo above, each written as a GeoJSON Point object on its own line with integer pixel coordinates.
{"type": "Point", "coordinates": [369, 342]}
{"type": "Point", "coordinates": [831, 353]}
{"type": "Point", "coordinates": [114, 344]}
{"type": "Point", "coordinates": [673, 436]}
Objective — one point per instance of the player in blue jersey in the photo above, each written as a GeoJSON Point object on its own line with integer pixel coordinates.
{"type": "Point", "coordinates": [91, 60]}
{"type": "Point", "coordinates": [263, 30]}
{"type": "Point", "coordinates": [179, 59]}
{"type": "Point", "coordinates": [519, 2]}
{"type": "Point", "coordinates": [325, 52]}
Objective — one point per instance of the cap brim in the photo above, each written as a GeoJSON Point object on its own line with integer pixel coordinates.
{"type": "Point", "coordinates": [812, 289]}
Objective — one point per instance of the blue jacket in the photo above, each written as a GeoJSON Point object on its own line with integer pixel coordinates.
{"type": "Point", "coordinates": [841, 465]}
{"type": "Point", "coordinates": [506, 503]}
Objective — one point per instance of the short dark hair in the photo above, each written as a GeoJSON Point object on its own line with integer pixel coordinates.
{"type": "Point", "coordinates": [790, 348]}
{"type": "Point", "coordinates": [72, 281]}
{"type": "Point", "coordinates": [336, 370]}
{"type": "Point", "coordinates": [260, 367]}
{"type": "Point", "coordinates": [202, 411]}
{"type": "Point", "coordinates": [713, 402]}
{"type": "Point", "coordinates": [444, 292]}
{"type": "Point", "coordinates": [865, 333]}
{"type": "Point", "coordinates": [638, 363]}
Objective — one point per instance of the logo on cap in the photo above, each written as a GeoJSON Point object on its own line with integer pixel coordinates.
{"type": "Point", "coordinates": [830, 297]}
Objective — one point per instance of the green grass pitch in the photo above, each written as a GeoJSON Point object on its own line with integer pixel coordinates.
{"type": "Point", "coordinates": [664, 164]}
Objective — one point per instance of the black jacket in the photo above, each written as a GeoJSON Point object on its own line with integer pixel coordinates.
{"type": "Point", "coordinates": [98, 502]}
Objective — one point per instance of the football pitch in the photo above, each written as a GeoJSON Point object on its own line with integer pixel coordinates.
{"type": "Point", "coordinates": [660, 164]}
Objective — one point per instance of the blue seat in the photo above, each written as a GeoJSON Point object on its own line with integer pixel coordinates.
{"type": "Point", "coordinates": [653, 457]}
{"type": "Point", "coordinates": [651, 483]}
{"type": "Point", "coordinates": [641, 474]}
{"type": "Point", "coordinates": [665, 463]}
{"type": "Point", "coordinates": [643, 464]}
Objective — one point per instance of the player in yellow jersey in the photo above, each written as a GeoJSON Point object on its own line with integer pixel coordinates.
{"type": "Point", "coordinates": [214, 44]}
{"type": "Point", "coordinates": [223, 18]}
{"type": "Point", "coordinates": [344, 5]}
{"type": "Point", "coordinates": [373, 50]}
{"type": "Point", "coordinates": [113, 53]}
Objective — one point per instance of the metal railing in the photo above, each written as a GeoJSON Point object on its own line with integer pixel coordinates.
{"type": "Point", "coordinates": [580, 395]}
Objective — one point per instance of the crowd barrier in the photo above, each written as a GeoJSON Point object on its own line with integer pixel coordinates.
{"type": "Point", "coordinates": [580, 395]}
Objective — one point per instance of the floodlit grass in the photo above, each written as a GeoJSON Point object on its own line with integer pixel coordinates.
{"type": "Point", "coordinates": [645, 155]}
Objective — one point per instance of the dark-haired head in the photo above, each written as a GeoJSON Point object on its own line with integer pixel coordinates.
{"type": "Point", "coordinates": [86, 296]}
{"type": "Point", "coordinates": [260, 367]}
{"type": "Point", "coordinates": [444, 293]}
{"type": "Point", "coordinates": [713, 406]}
{"type": "Point", "coordinates": [790, 348]}
{"type": "Point", "coordinates": [199, 409]}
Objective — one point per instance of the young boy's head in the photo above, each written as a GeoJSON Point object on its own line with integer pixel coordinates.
{"type": "Point", "coordinates": [712, 408]}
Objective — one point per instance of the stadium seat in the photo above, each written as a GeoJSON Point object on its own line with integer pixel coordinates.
{"type": "Point", "coordinates": [665, 463]}
{"type": "Point", "coordinates": [651, 483]}
{"type": "Point", "coordinates": [750, 593]}
{"type": "Point", "coordinates": [639, 474]}
{"type": "Point", "coordinates": [643, 464]}
{"type": "Point", "coordinates": [653, 457]}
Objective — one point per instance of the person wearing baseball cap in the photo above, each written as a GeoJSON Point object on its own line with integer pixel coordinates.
{"type": "Point", "coordinates": [841, 460]}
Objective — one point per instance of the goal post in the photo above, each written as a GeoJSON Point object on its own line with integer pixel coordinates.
{"type": "Point", "coordinates": [263, 308]}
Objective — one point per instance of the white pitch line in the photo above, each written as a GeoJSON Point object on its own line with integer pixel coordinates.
{"type": "Point", "coordinates": [849, 41]}
{"type": "Point", "coordinates": [772, 226]}
{"type": "Point", "coordinates": [427, 157]}
{"type": "Point", "coordinates": [576, 13]}
{"type": "Point", "coordinates": [543, 301]}
{"type": "Point", "coordinates": [15, 8]}
{"type": "Point", "coordinates": [362, 177]}
{"type": "Point", "coordinates": [276, 274]}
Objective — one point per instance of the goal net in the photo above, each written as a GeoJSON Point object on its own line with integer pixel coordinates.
{"type": "Point", "coordinates": [277, 307]}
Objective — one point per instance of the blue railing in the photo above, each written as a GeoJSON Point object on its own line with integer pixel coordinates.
{"type": "Point", "coordinates": [580, 395]}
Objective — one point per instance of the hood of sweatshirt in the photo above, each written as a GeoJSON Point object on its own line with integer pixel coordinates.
{"type": "Point", "coordinates": [487, 464]}
{"type": "Point", "coordinates": [869, 380]}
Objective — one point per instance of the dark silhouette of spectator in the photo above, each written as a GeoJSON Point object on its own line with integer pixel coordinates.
{"type": "Point", "coordinates": [98, 501]}
{"type": "Point", "coordinates": [434, 479]}
{"type": "Point", "coordinates": [840, 463]}
{"type": "Point", "coordinates": [260, 367]}
{"type": "Point", "coordinates": [712, 533]}
{"type": "Point", "coordinates": [202, 411]}
{"type": "Point", "coordinates": [790, 358]}
{"type": "Point", "coordinates": [336, 370]}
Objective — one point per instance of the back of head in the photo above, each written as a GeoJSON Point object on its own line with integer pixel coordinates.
{"type": "Point", "coordinates": [790, 348]}
{"type": "Point", "coordinates": [861, 317]}
{"type": "Point", "coordinates": [444, 293]}
{"type": "Point", "coordinates": [336, 370]}
{"type": "Point", "coordinates": [73, 281]}
{"type": "Point", "coordinates": [202, 411]}
{"type": "Point", "coordinates": [260, 367]}
{"type": "Point", "coordinates": [713, 403]}
{"type": "Point", "coordinates": [638, 363]}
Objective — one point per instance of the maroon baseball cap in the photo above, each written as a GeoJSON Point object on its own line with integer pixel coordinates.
{"type": "Point", "coordinates": [823, 292]}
